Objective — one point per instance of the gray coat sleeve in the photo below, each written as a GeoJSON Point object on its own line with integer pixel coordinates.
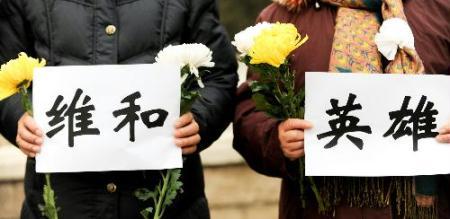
{"type": "Point", "coordinates": [214, 110]}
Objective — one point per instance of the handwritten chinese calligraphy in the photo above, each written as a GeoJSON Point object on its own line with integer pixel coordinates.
{"type": "Point", "coordinates": [344, 123]}
{"type": "Point", "coordinates": [81, 117]}
{"type": "Point", "coordinates": [422, 120]}
{"type": "Point", "coordinates": [131, 115]}
{"type": "Point", "coordinates": [403, 112]}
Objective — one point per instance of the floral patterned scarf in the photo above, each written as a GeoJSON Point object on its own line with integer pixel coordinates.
{"type": "Point", "coordinates": [357, 23]}
{"type": "Point", "coordinates": [354, 47]}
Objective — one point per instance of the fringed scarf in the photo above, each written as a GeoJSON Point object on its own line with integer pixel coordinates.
{"type": "Point", "coordinates": [354, 50]}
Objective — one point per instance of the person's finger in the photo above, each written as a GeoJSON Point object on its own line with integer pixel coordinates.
{"type": "Point", "coordinates": [26, 147]}
{"type": "Point", "coordinates": [184, 120]}
{"type": "Point", "coordinates": [189, 149]}
{"type": "Point", "coordinates": [425, 200]}
{"type": "Point", "coordinates": [25, 136]}
{"type": "Point", "coordinates": [444, 134]}
{"type": "Point", "coordinates": [420, 203]}
{"type": "Point", "coordinates": [28, 136]}
{"type": "Point", "coordinates": [443, 138]}
{"type": "Point", "coordinates": [293, 136]}
{"type": "Point", "coordinates": [295, 124]}
{"type": "Point", "coordinates": [27, 153]}
{"type": "Point", "coordinates": [445, 129]}
{"type": "Point", "coordinates": [30, 124]}
{"type": "Point", "coordinates": [188, 130]}
{"type": "Point", "coordinates": [294, 146]}
{"type": "Point", "coordinates": [429, 201]}
{"type": "Point", "coordinates": [31, 147]}
{"type": "Point", "coordinates": [293, 155]}
{"type": "Point", "coordinates": [192, 140]}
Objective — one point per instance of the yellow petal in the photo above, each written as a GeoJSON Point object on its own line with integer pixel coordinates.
{"type": "Point", "coordinates": [273, 45]}
{"type": "Point", "coordinates": [5, 93]}
{"type": "Point", "coordinates": [17, 72]}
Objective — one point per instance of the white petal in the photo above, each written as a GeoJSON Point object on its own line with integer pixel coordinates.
{"type": "Point", "coordinates": [194, 55]}
{"type": "Point", "coordinates": [243, 41]}
{"type": "Point", "coordinates": [200, 83]}
{"type": "Point", "coordinates": [194, 71]}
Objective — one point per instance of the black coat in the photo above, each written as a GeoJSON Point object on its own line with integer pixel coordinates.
{"type": "Point", "coordinates": [73, 32]}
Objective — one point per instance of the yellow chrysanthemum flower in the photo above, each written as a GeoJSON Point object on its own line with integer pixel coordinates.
{"type": "Point", "coordinates": [274, 44]}
{"type": "Point", "coordinates": [17, 73]}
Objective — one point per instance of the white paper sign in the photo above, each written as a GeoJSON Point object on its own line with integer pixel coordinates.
{"type": "Point", "coordinates": [374, 134]}
{"type": "Point", "coordinates": [106, 118]}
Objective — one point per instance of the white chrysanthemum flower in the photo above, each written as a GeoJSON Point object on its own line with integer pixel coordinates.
{"type": "Point", "coordinates": [192, 55]}
{"type": "Point", "coordinates": [244, 40]}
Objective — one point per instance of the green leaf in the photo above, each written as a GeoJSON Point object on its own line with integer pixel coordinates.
{"type": "Point", "coordinates": [174, 186]}
{"type": "Point", "coordinates": [260, 102]}
{"type": "Point", "coordinates": [187, 100]}
{"type": "Point", "coordinates": [144, 194]}
{"type": "Point", "coordinates": [185, 70]}
{"type": "Point", "coordinates": [146, 212]}
{"type": "Point", "coordinates": [301, 94]}
{"type": "Point", "coordinates": [302, 113]}
{"type": "Point", "coordinates": [257, 87]}
{"type": "Point", "coordinates": [49, 208]}
{"type": "Point", "coordinates": [265, 71]}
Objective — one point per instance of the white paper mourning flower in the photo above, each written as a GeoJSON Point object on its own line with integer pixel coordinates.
{"type": "Point", "coordinates": [244, 40]}
{"type": "Point", "coordinates": [192, 55]}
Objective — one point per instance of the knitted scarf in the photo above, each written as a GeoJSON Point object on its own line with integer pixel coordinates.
{"type": "Point", "coordinates": [354, 50]}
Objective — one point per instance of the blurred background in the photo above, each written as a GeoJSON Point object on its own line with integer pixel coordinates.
{"type": "Point", "coordinates": [234, 191]}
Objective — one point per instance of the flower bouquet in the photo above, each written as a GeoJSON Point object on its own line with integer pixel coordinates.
{"type": "Point", "coordinates": [265, 49]}
{"type": "Point", "coordinates": [189, 58]}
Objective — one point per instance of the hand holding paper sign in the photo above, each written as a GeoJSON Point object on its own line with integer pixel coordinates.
{"type": "Point", "coordinates": [291, 135]}
{"type": "Point", "coordinates": [444, 134]}
{"type": "Point", "coordinates": [29, 136]}
{"type": "Point", "coordinates": [187, 133]}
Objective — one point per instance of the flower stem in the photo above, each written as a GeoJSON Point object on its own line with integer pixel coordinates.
{"type": "Point", "coordinates": [162, 195]}
{"type": "Point", "coordinates": [313, 185]}
{"type": "Point", "coordinates": [49, 210]}
{"type": "Point", "coordinates": [25, 97]}
{"type": "Point", "coordinates": [319, 199]}
{"type": "Point", "coordinates": [302, 183]}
